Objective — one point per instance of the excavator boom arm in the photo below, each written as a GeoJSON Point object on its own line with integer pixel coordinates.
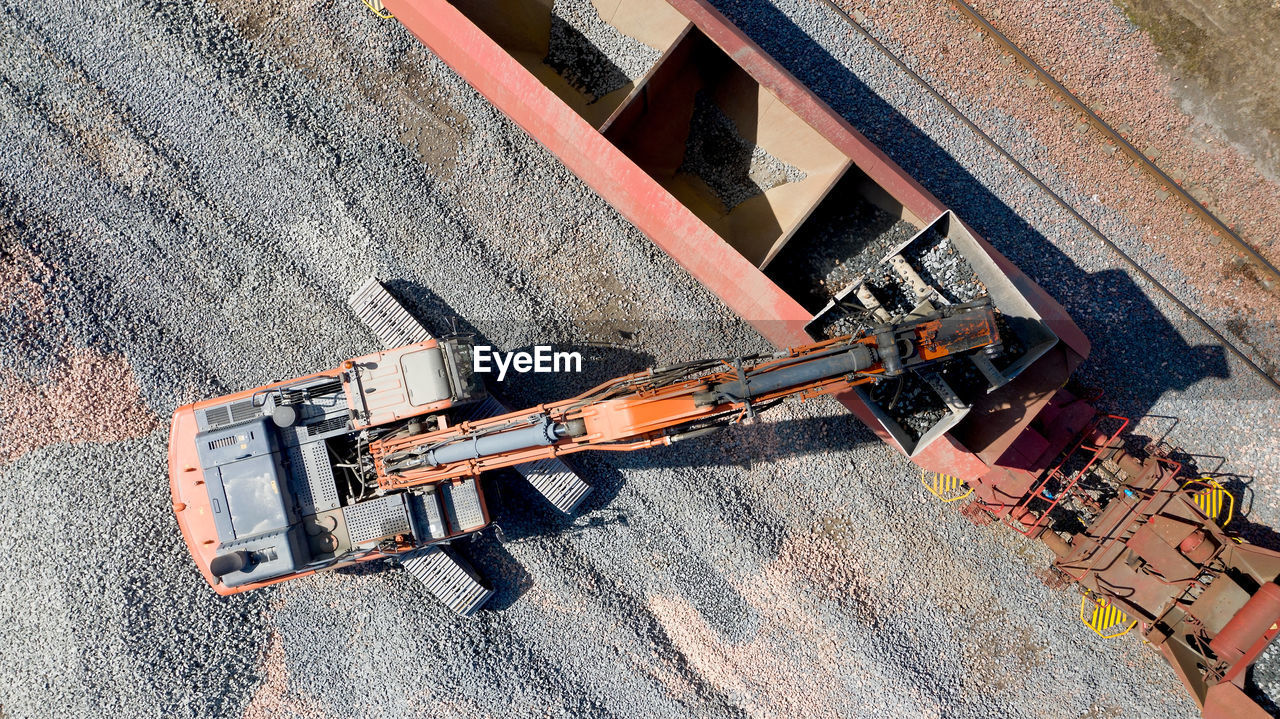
{"type": "Point", "coordinates": [661, 406]}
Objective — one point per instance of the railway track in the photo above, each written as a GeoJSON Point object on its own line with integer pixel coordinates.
{"type": "Point", "coordinates": [1261, 265]}
{"type": "Point", "coordinates": [1269, 276]}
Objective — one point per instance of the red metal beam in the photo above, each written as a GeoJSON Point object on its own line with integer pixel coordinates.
{"type": "Point", "coordinates": [673, 227]}
{"type": "Point", "coordinates": [646, 204]}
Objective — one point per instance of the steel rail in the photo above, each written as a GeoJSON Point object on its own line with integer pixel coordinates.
{"type": "Point", "coordinates": [1022, 169]}
{"type": "Point", "coordinates": [1172, 185]}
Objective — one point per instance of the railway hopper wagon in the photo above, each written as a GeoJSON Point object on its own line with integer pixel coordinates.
{"type": "Point", "coordinates": [806, 230]}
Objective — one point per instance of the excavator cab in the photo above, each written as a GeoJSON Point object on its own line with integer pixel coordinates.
{"type": "Point", "coordinates": [270, 483]}
{"type": "Point", "coordinates": [274, 483]}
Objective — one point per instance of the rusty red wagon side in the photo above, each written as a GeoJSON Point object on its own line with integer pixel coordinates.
{"type": "Point", "coordinates": [628, 144]}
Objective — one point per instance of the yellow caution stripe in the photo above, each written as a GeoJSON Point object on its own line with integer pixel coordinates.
{"type": "Point", "coordinates": [1213, 499]}
{"type": "Point", "coordinates": [946, 487]}
{"type": "Point", "coordinates": [1106, 619]}
{"type": "Point", "coordinates": [376, 7]}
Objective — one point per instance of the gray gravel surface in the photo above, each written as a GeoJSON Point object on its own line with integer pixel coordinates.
{"type": "Point", "coordinates": [735, 168]}
{"type": "Point", "coordinates": [99, 618]}
{"type": "Point", "coordinates": [206, 183]}
{"type": "Point", "coordinates": [592, 54]}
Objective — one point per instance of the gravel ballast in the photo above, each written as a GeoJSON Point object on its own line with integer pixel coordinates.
{"type": "Point", "coordinates": [594, 56]}
{"type": "Point", "coordinates": [735, 168]}
{"type": "Point", "coordinates": [201, 223]}
{"type": "Point", "coordinates": [1095, 51]}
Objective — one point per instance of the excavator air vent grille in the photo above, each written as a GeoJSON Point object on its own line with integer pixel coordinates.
{"type": "Point", "coordinates": [241, 411]}
{"type": "Point", "coordinates": [222, 442]}
{"type": "Point", "coordinates": [332, 424]}
{"type": "Point", "coordinates": [376, 519]}
{"type": "Point", "coordinates": [217, 417]}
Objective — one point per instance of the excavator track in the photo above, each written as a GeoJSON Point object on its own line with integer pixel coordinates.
{"type": "Point", "coordinates": [383, 314]}
{"type": "Point", "coordinates": [388, 319]}
{"type": "Point", "coordinates": [447, 578]}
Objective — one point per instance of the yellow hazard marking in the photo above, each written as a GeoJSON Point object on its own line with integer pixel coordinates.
{"type": "Point", "coordinates": [1106, 619]}
{"type": "Point", "coordinates": [375, 7]}
{"type": "Point", "coordinates": [946, 487]}
{"type": "Point", "coordinates": [1212, 498]}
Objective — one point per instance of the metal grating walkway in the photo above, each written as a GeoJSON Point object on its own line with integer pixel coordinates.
{"type": "Point", "coordinates": [376, 519]}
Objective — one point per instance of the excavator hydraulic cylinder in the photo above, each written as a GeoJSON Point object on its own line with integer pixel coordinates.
{"type": "Point", "coordinates": [541, 434]}
{"type": "Point", "coordinates": [856, 359]}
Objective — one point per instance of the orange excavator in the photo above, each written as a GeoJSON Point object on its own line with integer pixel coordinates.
{"type": "Point", "coordinates": [380, 457]}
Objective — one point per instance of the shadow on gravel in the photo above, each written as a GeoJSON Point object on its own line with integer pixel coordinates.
{"type": "Point", "coordinates": [616, 354]}
{"type": "Point", "coordinates": [1138, 354]}
{"type": "Point", "coordinates": [501, 571]}
{"type": "Point", "coordinates": [1250, 531]}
